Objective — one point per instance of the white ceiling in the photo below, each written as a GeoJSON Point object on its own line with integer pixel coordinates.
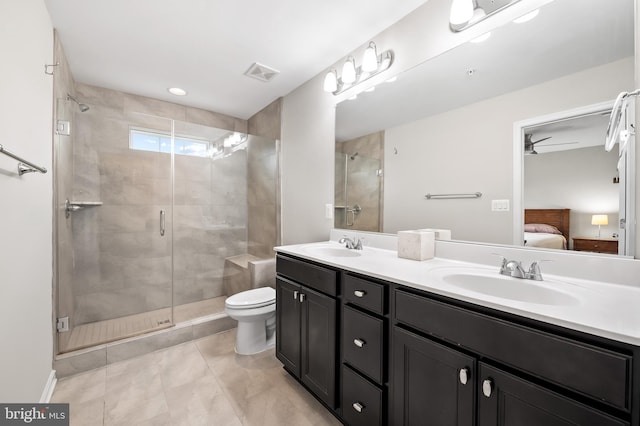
{"type": "Point", "coordinates": [205, 46]}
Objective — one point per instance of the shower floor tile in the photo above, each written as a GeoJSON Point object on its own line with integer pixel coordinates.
{"type": "Point", "coordinates": [99, 332]}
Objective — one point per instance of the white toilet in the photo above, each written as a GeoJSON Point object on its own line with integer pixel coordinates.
{"type": "Point", "coordinates": [255, 311]}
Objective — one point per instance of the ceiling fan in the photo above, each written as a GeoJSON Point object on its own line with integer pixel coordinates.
{"type": "Point", "coordinates": [529, 144]}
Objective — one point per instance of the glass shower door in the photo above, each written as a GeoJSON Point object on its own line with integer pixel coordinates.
{"type": "Point", "coordinates": [119, 259]}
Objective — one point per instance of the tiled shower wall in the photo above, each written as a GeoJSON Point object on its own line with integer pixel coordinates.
{"type": "Point", "coordinates": [363, 182]}
{"type": "Point", "coordinates": [263, 181]}
{"type": "Point", "coordinates": [122, 265]}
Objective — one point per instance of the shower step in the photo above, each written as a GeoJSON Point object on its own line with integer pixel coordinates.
{"type": "Point", "coordinates": [98, 356]}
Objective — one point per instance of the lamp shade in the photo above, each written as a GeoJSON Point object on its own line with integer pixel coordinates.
{"type": "Point", "coordinates": [331, 81]}
{"type": "Point", "coordinates": [370, 58]}
{"type": "Point", "coordinates": [349, 71]}
{"type": "Point", "coordinates": [599, 219]}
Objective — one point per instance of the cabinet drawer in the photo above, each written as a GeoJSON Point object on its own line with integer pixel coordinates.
{"type": "Point", "coordinates": [599, 373]}
{"type": "Point", "coordinates": [362, 343]}
{"type": "Point", "coordinates": [362, 402]}
{"type": "Point", "coordinates": [366, 294]}
{"type": "Point", "coordinates": [316, 277]}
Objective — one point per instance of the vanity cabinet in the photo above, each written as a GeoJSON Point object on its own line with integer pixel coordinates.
{"type": "Point", "coordinates": [306, 325]}
{"type": "Point", "coordinates": [380, 353]}
{"type": "Point", "coordinates": [364, 351]}
{"type": "Point", "coordinates": [524, 376]}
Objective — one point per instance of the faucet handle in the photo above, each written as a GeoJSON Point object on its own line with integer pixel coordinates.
{"type": "Point", "coordinates": [534, 272]}
{"type": "Point", "coordinates": [503, 267]}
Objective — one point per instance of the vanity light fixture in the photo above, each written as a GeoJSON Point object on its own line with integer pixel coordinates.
{"type": "Point", "coordinates": [352, 75]}
{"type": "Point", "coordinates": [465, 13]}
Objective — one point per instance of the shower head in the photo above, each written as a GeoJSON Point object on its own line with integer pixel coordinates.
{"type": "Point", "coordinates": [353, 157]}
{"type": "Point", "coordinates": [83, 107]}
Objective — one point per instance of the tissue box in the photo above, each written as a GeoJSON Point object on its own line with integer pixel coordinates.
{"type": "Point", "coordinates": [441, 234]}
{"type": "Point", "coordinates": [416, 245]}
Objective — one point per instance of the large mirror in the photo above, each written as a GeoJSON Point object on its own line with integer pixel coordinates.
{"type": "Point", "coordinates": [435, 148]}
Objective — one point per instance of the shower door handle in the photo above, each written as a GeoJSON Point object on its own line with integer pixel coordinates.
{"type": "Point", "coordinates": [162, 222]}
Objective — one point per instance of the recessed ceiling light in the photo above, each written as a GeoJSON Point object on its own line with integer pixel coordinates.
{"type": "Point", "coordinates": [177, 91]}
{"type": "Point", "coordinates": [527, 17]}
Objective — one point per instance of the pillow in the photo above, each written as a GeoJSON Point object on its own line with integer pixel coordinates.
{"type": "Point", "coordinates": [541, 227]}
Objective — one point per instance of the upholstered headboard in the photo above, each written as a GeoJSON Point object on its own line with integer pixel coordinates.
{"type": "Point", "coordinates": [556, 217]}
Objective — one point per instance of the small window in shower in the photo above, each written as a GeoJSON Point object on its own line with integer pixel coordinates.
{"type": "Point", "coordinates": [155, 141]}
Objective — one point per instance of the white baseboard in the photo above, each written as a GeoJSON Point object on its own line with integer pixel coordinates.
{"type": "Point", "coordinates": [48, 388]}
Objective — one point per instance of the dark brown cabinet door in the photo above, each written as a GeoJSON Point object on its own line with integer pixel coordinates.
{"type": "Point", "coordinates": [433, 384]}
{"type": "Point", "coordinates": [318, 345]}
{"type": "Point", "coordinates": [288, 309]}
{"type": "Point", "coordinates": [504, 399]}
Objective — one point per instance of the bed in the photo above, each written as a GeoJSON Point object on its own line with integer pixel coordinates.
{"type": "Point", "coordinates": [546, 228]}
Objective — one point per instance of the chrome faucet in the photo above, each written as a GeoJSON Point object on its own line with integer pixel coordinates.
{"type": "Point", "coordinates": [351, 244]}
{"type": "Point", "coordinates": [513, 268]}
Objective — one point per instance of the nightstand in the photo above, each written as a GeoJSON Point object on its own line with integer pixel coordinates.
{"type": "Point", "coordinates": [598, 245]}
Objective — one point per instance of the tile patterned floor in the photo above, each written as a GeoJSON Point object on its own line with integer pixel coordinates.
{"type": "Point", "coordinates": [91, 334]}
{"type": "Point", "coordinates": [203, 382]}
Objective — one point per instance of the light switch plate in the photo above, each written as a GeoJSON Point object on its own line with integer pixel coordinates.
{"type": "Point", "coordinates": [499, 205]}
{"type": "Point", "coordinates": [328, 211]}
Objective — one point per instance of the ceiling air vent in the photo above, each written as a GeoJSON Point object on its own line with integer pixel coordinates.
{"type": "Point", "coordinates": [261, 72]}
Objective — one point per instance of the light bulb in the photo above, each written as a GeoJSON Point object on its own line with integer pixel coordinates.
{"type": "Point", "coordinates": [461, 12]}
{"type": "Point", "coordinates": [331, 81]}
{"type": "Point", "coordinates": [349, 71]}
{"type": "Point", "coordinates": [370, 58]}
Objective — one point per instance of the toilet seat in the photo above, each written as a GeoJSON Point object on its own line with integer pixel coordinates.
{"type": "Point", "coordinates": [256, 298]}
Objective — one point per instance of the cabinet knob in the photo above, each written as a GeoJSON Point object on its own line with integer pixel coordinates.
{"type": "Point", "coordinates": [360, 293]}
{"type": "Point", "coordinates": [358, 407]}
{"type": "Point", "coordinates": [464, 375]}
{"type": "Point", "coordinates": [359, 342]}
{"type": "Point", "coordinates": [302, 297]}
{"type": "Point", "coordinates": [295, 294]}
{"type": "Point", "coordinates": [487, 387]}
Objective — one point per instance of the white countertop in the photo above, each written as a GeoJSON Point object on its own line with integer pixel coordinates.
{"type": "Point", "coordinates": [598, 308]}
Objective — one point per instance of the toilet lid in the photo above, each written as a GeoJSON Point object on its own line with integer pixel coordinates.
{"type": "Point", "coordinates": [252, 298]}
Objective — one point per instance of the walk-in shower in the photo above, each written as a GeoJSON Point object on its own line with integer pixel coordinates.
{"type": "Point", "coordinates": [152, 211]}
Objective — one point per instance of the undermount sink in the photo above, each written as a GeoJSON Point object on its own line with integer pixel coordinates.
{"type": "Point", "coordinates": [504, 287]}
{"type": "Point", "coordinates": [332, 251]}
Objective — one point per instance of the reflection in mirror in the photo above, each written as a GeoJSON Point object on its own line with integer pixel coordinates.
{"type": "Point", "coordinates": [447, 124]}
{"type": "Point", "coordinates": [358, 183]}
{"type": "Point", "coordinates": [556, 179]}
